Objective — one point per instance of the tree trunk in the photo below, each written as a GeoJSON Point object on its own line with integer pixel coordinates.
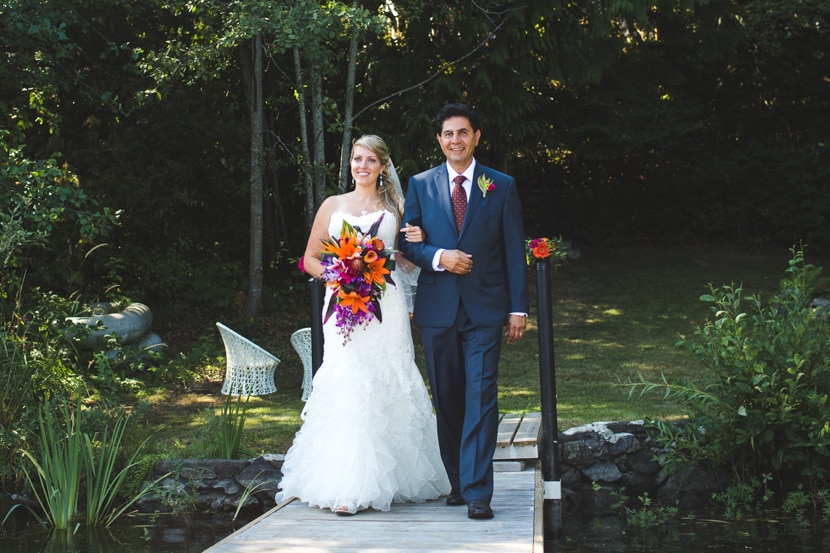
{"type": "Point", "coordinates": [348, 116]}
{"type": "Point", "coordinates": [254, 298]}
{"type": "Point", "coordinates": [305, 161]}
{"type": "Point", "coordinates": [319, 136]}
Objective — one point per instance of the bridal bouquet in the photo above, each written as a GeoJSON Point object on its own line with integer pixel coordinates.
{"type": "Point", "coordinates": [356, 266]}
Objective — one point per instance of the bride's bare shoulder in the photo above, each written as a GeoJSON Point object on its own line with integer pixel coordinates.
{"type": "Point", "coordinates": [331, 205]}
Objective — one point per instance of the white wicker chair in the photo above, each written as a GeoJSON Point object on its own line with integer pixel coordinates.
{"type": "Point", "coordinates": [250, 369]}
{"type": "Point", "coordinates": [301, 340]}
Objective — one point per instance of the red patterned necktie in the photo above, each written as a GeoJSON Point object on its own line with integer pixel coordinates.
{"type": "Point", "coordinates": [459, 201]}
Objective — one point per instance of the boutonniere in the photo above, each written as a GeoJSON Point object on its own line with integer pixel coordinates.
{"type": "Point", "coordinates": [485, 185]}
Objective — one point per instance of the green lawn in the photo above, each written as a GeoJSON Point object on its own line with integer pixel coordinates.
{"type": "Point", "coordinates": [616, 314]}
{"type": "Point", "coordinates": [619, 313]}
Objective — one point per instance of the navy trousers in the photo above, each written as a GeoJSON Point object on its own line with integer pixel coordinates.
{"type": "Point", "coordinates": [462, 367]}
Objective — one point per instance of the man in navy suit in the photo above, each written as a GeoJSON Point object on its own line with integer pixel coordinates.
{"type": "Point", "coordinates": [473, 284]}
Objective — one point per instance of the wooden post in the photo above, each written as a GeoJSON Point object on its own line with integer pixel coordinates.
{"type": "Point", "coordinates": [547, 380]}
{"type": "Point", "coordinates": [317, 295]}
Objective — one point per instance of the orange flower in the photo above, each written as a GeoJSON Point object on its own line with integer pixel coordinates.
{"type": "Point", "coordinates": [541, 249]}
{"type": "Point", "coordinates": [375, 272]}
{"type": "Point", "coordinates": [377, 244]}
{"type": "Point", "coordinates": [370, 256]}
{"type": "Point", "coordinates": [343, 248]}
{"type": "Point", "coordinates": [354, 301]}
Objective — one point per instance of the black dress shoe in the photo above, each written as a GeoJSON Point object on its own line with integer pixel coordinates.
{"type": "Point", "coordinates": [455, 498]}
{"type": "Point", "coordinates": [478, 508]}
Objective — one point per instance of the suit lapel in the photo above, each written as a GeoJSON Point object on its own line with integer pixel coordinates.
{"type": "Point", "coordinates": [475, 198]}
{"type": "Point", "coordinates": [441, 181]}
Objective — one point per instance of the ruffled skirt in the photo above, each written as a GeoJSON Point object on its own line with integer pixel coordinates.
{"type": "Point", "coordinates": [369, 434]}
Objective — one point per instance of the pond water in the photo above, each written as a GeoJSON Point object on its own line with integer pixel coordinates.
{"type": "Point", "coordinates": [162, 535]}
{"type": "Point", "coordinates": [609, 534]}
{"type": "Point", "coordinates": [691, 533]}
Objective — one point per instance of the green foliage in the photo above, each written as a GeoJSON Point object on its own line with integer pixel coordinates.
{"type": "Point", "coordinates": [764, 404]}
{"type": "Point", "coordinates": [104, 482]}
{"type": "Point", "coordinates": [58, 465]}
{"type": "Point", "coordinates": [46, 217]}
{"type": "Point", "coordinates": [755, 497]}
{"type": "Point", "coordinates": [179, 494]}
{"type": "Point", "coordinates": [641, 511]}
{"type": "Point", "coordinates": [253, 486]}
{"type": "Point", "coordinates": [67, 456]}
{"type": "Point", "coordinates": [38, 362]}
{"type": "Point", "coordinates": [221, 437]}
{"type": "Point", "coordinates": [746, 498]}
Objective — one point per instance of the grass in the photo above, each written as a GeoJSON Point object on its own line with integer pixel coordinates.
{"type": "Point", "coordinates": [619, 313]}
{"type": "Point", "coordinates": [616, 314]}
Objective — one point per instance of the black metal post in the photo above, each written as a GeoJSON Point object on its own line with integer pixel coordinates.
{"type": "Point", "coordinates": [317, 295]}
{"type": "Point", "coordinates": [547, 380]}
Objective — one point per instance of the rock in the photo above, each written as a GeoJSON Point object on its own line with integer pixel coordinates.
{"type": "Point", "coordinates": [128, 325]}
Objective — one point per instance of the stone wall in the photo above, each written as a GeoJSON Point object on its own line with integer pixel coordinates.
{"type": "Point", "coordinates": [214, 485]}
{"type": "Point", "coordinates": [596, 460]}
{"type": "Point", "coordinates": [602, 457]}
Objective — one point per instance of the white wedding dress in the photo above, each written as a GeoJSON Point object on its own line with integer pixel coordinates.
{"type": "Point", "coordinates": [368, 437]}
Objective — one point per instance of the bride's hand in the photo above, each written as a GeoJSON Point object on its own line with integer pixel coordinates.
{"type": "Point", "coordinates": [413, 233]}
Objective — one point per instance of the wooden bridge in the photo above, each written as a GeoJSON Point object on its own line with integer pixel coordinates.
{"type": "Point", "coordinates": [430, 527]}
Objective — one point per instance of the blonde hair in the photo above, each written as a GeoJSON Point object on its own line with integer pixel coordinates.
{"type": "Point", "coordinates": [389, 189]}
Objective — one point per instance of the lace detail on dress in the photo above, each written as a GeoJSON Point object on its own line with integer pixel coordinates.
{"type": "Point", "coordinates": [368, 436]}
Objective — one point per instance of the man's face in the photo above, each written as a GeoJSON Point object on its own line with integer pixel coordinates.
{"type": "Point", "coordinates": [458, 142]}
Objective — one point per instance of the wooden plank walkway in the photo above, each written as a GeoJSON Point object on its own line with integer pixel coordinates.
{"type": "Point", "coordinates": [430, 527]}
{"type": "Point", "coordinates": [517, 437]}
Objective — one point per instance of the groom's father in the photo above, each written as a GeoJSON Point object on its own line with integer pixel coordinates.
{"type": "Point", "coordinates": [472, 285]}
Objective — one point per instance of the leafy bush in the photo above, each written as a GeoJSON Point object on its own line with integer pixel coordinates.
{"type": "Point", "coordinates": [37, 362]}
{"type": "Point", "coordinates": [764, 407]}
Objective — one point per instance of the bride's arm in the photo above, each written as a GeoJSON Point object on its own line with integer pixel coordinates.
{"type": "Point", "coordinates": [312, 261]}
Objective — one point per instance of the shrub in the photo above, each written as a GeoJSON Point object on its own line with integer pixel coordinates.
{"type": "Point", "coordinates": [37, 363]}
{"type": "Point", "coordinates": [764, 404]}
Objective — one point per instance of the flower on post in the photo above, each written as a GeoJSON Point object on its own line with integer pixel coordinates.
{"type": "Point", "coordinates": [485, 185]}
{"type": "Point", "coordinates": [537, 249]}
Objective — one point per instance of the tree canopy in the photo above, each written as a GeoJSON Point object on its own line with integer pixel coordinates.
{"type": "Point", "coordinates": [129, 138]}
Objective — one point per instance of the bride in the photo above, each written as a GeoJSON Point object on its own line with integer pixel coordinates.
{"type": "Point", "coordinates": [368, 437]}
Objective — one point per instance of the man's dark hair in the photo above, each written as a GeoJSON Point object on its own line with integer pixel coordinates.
{"type": "Point", "coordinates": [456, 110]}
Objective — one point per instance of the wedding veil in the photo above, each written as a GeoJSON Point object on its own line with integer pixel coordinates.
{"type": "Point", "coordinates": [406, 273]}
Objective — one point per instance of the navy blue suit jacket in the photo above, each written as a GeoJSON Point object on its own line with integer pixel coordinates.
{"type": "Point", "coordinates": [492, 233]}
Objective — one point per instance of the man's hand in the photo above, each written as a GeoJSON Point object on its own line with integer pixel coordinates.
{"type": "Point", "coordinates": [456, 261]}
{"type": "Point", "coordinates": [516, 325]}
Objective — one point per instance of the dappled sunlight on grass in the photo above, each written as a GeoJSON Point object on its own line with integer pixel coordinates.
{"type": "Point", "coordinates": [507, 391]}
{"type": "Point", "coordinates": [611, 345]}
